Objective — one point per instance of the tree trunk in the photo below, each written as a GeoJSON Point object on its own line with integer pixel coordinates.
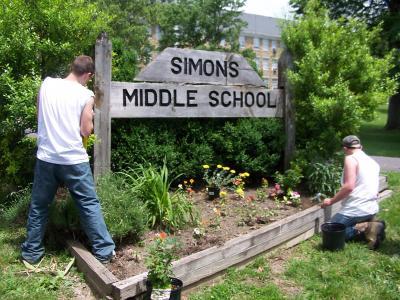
{"type": "Point", "coordinates": [393, 121]}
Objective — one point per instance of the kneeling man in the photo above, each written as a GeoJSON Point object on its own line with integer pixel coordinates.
{"type": "Point", "coordinates": [359, 192]}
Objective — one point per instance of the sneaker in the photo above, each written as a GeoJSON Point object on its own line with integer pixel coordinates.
{"type": "Point", "coordinates": [109, 259]}
{"type": "Point", "coordinates": [375, 234]}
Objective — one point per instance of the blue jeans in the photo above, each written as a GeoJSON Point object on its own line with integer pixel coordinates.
{"type": "Point", "coordinates": [79, 181]}
{"type": "Point", "coordinates": [349, 222]}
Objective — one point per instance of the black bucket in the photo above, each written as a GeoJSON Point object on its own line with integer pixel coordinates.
{"type": "Point", "coordinates": [175, 292]}
{"type": "Point", "coordinates": [333, 236]}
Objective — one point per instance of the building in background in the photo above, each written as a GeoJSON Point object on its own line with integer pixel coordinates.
{"type": "Point", "coordinates": [263, 35]}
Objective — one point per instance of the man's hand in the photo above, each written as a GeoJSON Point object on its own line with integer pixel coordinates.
{"type": "Point", "coordinates": [326, 202]}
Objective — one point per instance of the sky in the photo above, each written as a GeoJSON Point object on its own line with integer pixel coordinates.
{"type": "Point", "coordinates": [270, 8]}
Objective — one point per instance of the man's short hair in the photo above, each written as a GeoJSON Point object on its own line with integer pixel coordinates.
{"type": "Point", "coordinates": [351, 141]}
{"type": "Point", "coordinates": [82, 64]}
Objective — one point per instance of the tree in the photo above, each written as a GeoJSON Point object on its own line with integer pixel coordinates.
{"type": "Point", "coordinates": [385, 13]}
{"type": "Point", "coordinates": [194, 23]}
{"type": "Point", "coordinates": [336, 81]}
{"type": "Point", "coordinates": [129, 34]}
{"type": "Point", "coordinates": [37, 39]}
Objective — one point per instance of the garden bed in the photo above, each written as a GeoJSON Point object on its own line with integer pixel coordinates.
{"type": "Point", "coordinates": [235, 231]}
{"type": "Point", "coordinates": [220, 220]}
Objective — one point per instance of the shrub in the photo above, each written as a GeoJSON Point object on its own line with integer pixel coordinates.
{"type": "Point", "coordinates": [246, 144]}
{"type": "Point", "coordinates": [124, 212]}
{"type": "Point", "coordinates": [336, 81]}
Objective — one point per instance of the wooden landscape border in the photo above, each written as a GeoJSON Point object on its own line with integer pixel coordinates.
{"type": "Point", "coordinates": [201, 265]}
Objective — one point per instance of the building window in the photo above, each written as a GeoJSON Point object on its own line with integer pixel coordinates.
{"type": "Point", "coordinates": [242, 42]}
{"type": "Point", "coordinates": [265, 44]}
{"type": "Point", "coordinates": [273, 44]}
{"type": "Point", "coordinates": [274, 83]}
{"type": "Point", "coordinates": [256, 43]}
{"type": "Point", "coordinates": [265, 64]}
{"type": "Point", "coordinates": [274, 67]}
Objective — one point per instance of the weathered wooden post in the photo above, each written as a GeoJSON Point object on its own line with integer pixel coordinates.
{"type": "Point", "coordinates": [102, 120]}
{"type": "Point", "coordinates": [285, 63]}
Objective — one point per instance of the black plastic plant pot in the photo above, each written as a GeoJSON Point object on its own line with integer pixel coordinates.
{"type": "Point", "coordinates": [176, 290]}
{"type": "Point", "coordinates": [213, 193]}
{"type": "Point", "coordinates": [333, 236]}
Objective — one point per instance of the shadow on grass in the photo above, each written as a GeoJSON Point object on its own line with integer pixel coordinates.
{"type": "Point", "coordinates": [390, 247]}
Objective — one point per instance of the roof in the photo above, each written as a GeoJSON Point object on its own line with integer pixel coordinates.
{"type": "Point", "coordinates": [261, 26]}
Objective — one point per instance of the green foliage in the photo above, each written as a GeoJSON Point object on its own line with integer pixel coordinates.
{"type": "Point", "coordinates": [336, 81]}
{"type": "Point", "coordinates": [37, 39]}
{"type": "Point", "coordinates": [168, 211]}
{"type": "Point", "coordinates": [16, 207]}
{"type": "Point", "coordinates": [324, 177]}
{"type": "Point", "coordinates": [192, 23]}
{"type": "Point", "coordinates": [124, 213]}
{"type": "Point", "coordinates": [290, 179]}
{"type": "Point", "coordinates": [159, 261]}
{"type": "Point", "coordinates": [254, 145]}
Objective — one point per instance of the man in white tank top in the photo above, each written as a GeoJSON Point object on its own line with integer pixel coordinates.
{"type": "Point", "coordinates": [358, 193]}
{"type": "Point", "coordinates": [65, 115]}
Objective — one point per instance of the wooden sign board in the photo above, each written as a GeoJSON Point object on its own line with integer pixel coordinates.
{"type": "Point", "coordinates": [171, 100]}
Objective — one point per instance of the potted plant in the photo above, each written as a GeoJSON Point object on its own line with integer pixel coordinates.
{"type": "Point", "coordinates": [161, 285]}
{"type": "Point", "coordinates": [220, 177]}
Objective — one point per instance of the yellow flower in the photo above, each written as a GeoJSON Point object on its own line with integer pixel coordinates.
{"type": "Point", "coordinates": [222, 194]}
{"type": "Point", "coordinates": [185, 181]}
{"type": "Point", "coordinates": [240, 192]}
{"type": "Point", "coordinates": [219, 166]}
{"type": "Point", "coordinates": [233, 171]}
{"type": "Point", "coordinates": [241, 174]}
{"type": "Point", "coordinates": [206, 166]}
{"type": "Point", "coordinates": [246, 174]}
{"type": "Point", "coordinates": [226, 168]}
{"type": "Point", "coordinates": [191, 181]}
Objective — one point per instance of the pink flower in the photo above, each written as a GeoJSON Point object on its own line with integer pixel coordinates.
{"type": "Point", "coordinates": [277, 187]}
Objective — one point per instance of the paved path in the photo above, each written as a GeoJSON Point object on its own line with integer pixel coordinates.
{"type": "Point", "coordinates": [388, 163]}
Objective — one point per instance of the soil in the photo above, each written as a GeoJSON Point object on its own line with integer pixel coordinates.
{"type": "Point", "coordinates": [221, 220]}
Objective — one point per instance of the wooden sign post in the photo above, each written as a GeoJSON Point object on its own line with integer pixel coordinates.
{"type": "Point", "coordinates": [179, 83]}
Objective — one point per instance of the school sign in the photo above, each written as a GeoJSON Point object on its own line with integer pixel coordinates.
{"type": "Point", "coordinates": [179, 83]}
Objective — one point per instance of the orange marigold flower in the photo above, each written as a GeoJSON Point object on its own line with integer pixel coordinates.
{"type": "Point", "coordinates": [163, 235]}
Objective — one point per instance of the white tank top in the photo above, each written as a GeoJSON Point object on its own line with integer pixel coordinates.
{"type": "Point", "coordinates": [362, 200]}
{"type": "Point", "coordinates": [60, 107]}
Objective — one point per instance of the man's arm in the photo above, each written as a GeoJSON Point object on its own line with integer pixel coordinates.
{"type": "Point", "coordinates": [87, 118]}
{"type": "Point", "coordinates": [350, 176]}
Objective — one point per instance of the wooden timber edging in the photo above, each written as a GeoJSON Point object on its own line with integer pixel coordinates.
{"type": "Point", "coordinates": [198, 266]}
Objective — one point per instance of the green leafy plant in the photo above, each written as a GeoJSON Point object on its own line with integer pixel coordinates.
{"type": "Point", "coordinates": [159, 261]}
{"type": "Point", "coordinates": [168, 210]}
{"type": "Point", "coordinates": [324, 177]}
{"type": "Point", "coordinates": [290, 179]}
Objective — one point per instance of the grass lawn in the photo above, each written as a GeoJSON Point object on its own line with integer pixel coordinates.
{"type": "Point", "coordinates": [17, 282]}
{"type": "Point", "coordinates": [378, 141]}
{"type": "Point", "coordinates": [310, 273]}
